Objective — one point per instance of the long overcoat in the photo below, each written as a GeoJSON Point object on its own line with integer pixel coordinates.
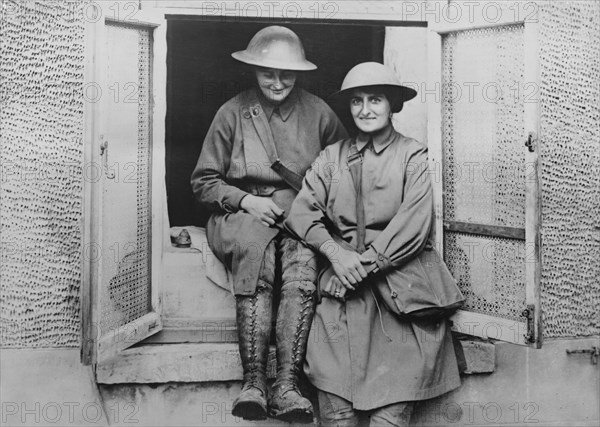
{"type": "Point", "coordinates": [358, 349]}
{"type": "Point", "coordinates": [233, 163]}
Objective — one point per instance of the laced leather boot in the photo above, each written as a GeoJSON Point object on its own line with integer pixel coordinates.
{"type": "Point", "coordinates": [294, 318]}
{"type": "Point", "coordinates": [254, 329]}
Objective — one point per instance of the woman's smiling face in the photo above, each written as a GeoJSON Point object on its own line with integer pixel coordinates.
{"type": "Point", "coordinates": [370, 110]}
{"type": "Point", "coordinates": [275, 84]}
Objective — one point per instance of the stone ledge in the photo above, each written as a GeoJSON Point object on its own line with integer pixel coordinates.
{"type": "Point", "coordinates": [207, 362]}
{"type": "Point", "coordinates": [203, 362]}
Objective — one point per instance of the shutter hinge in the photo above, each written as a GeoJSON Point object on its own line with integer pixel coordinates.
{"type": "Point", "coordinates": [531, 141]}
{"type": "Point", "coordinates": [529, 313]}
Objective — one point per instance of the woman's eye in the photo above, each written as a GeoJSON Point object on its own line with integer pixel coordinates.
{"type": "Point", "coordinates": [355, 101]}
{"type": "Point", "coordinates": [375, 100]}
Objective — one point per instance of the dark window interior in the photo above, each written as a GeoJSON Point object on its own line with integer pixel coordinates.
{"type": "Point", "coordinates": [202, 75]}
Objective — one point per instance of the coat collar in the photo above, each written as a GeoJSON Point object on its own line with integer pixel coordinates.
{"type": "Point", "coordinates": [285, 108]}
{"type": "Point", "coordinates": [381, 139]}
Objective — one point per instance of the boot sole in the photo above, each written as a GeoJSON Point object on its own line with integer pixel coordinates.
{"type": "Point", "coordinates": [251, 411]}
{"type": "Point", "coordinates": [301, 416]}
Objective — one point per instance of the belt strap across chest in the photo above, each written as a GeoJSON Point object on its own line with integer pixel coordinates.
{"type": "Point", "coordinates": [263, 129]}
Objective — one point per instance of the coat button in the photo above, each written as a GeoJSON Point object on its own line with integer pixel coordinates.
{"type": "Point", "coordinates": [394, 294]}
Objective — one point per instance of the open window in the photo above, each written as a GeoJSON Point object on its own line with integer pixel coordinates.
{"type": "Point", "coordinates": [153, 85]}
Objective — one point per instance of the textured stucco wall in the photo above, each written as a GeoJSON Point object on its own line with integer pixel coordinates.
{"type": "Point", "coordinates": [41, 153]}
{"type": "Point", "coordinates": [570, 153]}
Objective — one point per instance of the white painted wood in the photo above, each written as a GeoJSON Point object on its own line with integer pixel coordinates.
{"type": "Point", "coordinates": [91, 196]}
{"type": "Point", "coordinates": [519, 12]}
{"type": "Point", "coordinates": [347, 9]}
{"type": "Point", "coordinates": [434, 131]}
{"type": "Point", "coordinates": [489, 327]}
{"type": "Point", "coordinates": [109, 345]}
{"type": "Point", "coordinates": [441, 15]}
{"type": "Point", "coordinates": [94, 94]}
{"type": "Point", "coordinates": [533, 212]}
{"type": "Point", "coordinates": [160, 223]}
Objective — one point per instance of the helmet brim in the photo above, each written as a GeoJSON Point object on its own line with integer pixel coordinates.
{"type": "Point", "coordinates": [399, 94]}
{"type": "Point", "coordinates": [246, 58]}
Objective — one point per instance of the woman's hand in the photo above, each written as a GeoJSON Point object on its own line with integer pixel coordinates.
{"type": "Point", "coordinates": [334, 289]}
{"type": "Point", "coordinates": [262, 208]}
{"type": "Point", "coordinates": [347, 265]}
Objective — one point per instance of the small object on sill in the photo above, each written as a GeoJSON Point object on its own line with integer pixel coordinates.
{"type": "Point", "coordinates": [182, 240]}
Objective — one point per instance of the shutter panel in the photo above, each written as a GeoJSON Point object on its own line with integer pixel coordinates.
{"type": "Point", "coordinates": [487, 200]}
{"type": "Point", "coordinates": [123, 303]}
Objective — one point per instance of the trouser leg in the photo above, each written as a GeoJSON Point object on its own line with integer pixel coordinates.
{"type": "Point", "coordinates": [336, 412]}
{"type": "Point", "coordinates": [294, 318]}
{"type": "Point", "coordinates": [397, 415]}
{"type": "Point", "coordinates": [254, 314]}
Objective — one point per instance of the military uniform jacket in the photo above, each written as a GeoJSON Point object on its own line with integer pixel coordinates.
{"type": "Point", "coordinates": [234, 163]}
{"type": "Point", "coordinates": [358, 349]}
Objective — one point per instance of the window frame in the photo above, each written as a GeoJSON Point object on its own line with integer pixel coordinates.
{"type": "Point", "coordinates": [350, 12]}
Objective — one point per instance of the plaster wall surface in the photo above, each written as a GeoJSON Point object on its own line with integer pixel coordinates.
{"type": "Point", "coordinates": [544, 387]}
{"type": "Point", "coordinates": [41, 155]}
{"type": "Point", "coordinates": [570, 167]}
{"type": "Point", "coordinates": [44, 387]}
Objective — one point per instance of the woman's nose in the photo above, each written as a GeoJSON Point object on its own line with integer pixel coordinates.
{"type": "Point", "coordinates": [277, 82]}
{"type": "Point", "coordinates": [365, 110]}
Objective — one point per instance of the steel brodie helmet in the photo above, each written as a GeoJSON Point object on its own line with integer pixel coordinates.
{"type": "Point", "coordinates": [369, 74]}
{"type": "Point", "coordinates": [275, 47]}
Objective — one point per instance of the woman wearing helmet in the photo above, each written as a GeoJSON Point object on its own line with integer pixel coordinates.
{"type": "Point", "coordinates": [372, 360]}
{"type": "Point", "coordinates": [260, 144]}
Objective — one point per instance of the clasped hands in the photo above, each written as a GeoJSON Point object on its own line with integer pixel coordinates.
{"type": "Point", "coordinates": [350, 269]}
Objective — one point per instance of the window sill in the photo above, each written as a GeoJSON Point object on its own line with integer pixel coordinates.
{"type": "Point", "coordinates": [201, 362]}
{"type": "Point", "coordinates": [208, 362]}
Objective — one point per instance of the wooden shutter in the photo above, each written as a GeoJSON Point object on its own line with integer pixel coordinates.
{"type": "Point", "coordinates": [122, 272]}
{"type": "Point", "coordinates": [483, 136]}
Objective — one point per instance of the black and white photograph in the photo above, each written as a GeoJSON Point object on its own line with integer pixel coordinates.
{"type": "Point", "coordinates": [333, 213]}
